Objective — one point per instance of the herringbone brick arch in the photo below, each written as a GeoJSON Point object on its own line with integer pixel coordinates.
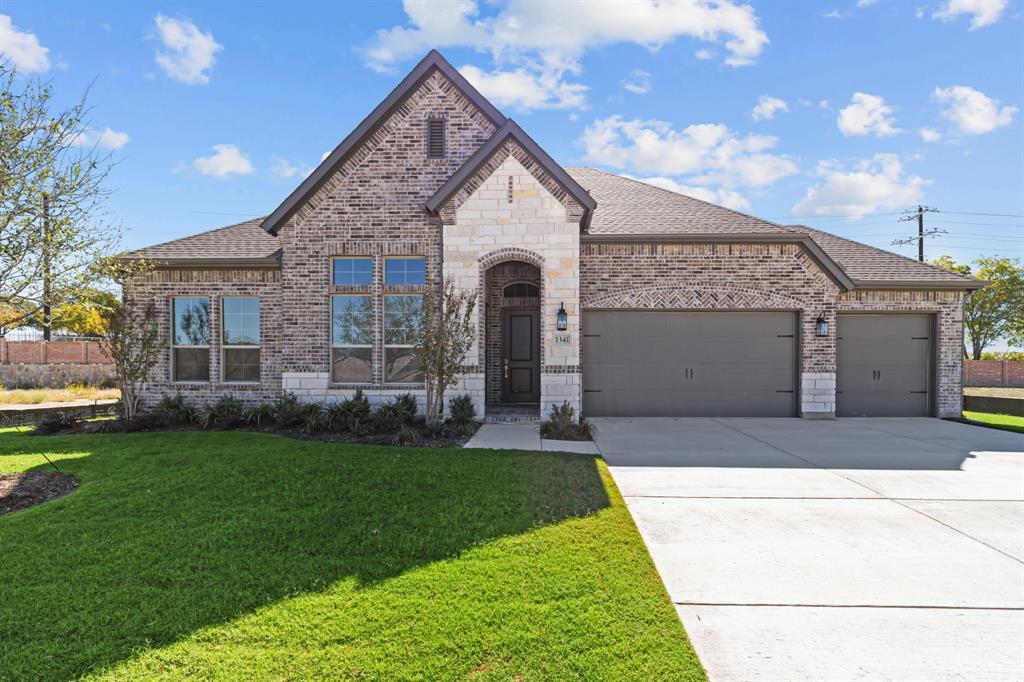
{"type": "Point", "coordinates": [708, 296]}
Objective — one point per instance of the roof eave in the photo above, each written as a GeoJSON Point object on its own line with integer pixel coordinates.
{"type": "Point", "coordinates": [270, 262]}
{"type": "Point", "coordinates": [319, 176]}
{"type": "Point", "coordinates": [919, 285]}
{"type": "Point", "coordinates": [511, 129]}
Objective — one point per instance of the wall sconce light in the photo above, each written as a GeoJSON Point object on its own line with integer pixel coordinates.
{"type": "Point", "coordinates": [821, 325]}
{"type": "Point", "coordinates": [562, 320]}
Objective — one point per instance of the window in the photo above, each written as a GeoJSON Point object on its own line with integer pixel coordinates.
{"type": "Point", "coordinates": [240, 343]}
{"type": "Point", "coordinates": [352, 272]}
{"type": "Point", "coordinates": [435, 138]}
{"type": "Point", "coordinates": [191, 339]}
{"type": "Point", "coordinates": [405, 271]}
{"type": "Point", "coordinates": [401, 329]}
{"type": "Point", "coordinates": [520, 290]}
{"type": "Point", "coordinates": [351, 339]}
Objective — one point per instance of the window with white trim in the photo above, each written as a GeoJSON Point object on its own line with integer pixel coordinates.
{"type": "Point", "coordinates": [402, 319]}
{"type": "Point", "coordinates": [240, 340]}
{"type": "Point", "coordinates": [351, 339]}
{"type": "Point", "coordinates": [190, 340]}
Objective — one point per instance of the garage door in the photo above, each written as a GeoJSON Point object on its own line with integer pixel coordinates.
{"type": "Point", "coordinates": [689, 364]}
{"type": "Point", "coordinates": [884, 365]}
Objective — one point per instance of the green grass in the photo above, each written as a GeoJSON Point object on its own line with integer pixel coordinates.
{"type": "Point", "coordinates": [1000, 421]}
{"type": "Point", "coordinates": [251, 556]}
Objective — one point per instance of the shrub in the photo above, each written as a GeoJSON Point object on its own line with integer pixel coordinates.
{"type": "Point", "coordinates": [406, 404]}
{"type": "Point", "coordinates": [390, 416]}
{"type": "Point", "coordinates": [343, 414]}
{"type": "Point", "coordinates": [289, 413]}
{"type": "Point", "coordinates": [462, 415]}
{"type": "Point", "coordinates": [405, 435]}
{"type": "Point", "coordinates": [223, 414]}
{"type": "Point", "coordinates": [176, 410]}
{"type": "Point", "coordinates": [562, 425]}
{"type": "Point", "coordinates": [56, 422]}
{"type": "Point", "coordinates": [260, 415]}
{"type": "Point", "coordinates": [316, 418]}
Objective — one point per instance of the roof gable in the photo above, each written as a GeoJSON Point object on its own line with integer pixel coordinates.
{"type": "Point", "coordinates": [511, 132]}
{"type": "Point", "coordinates": [427, 66]}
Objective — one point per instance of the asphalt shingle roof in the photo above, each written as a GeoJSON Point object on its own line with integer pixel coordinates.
{"type": "Point", "coordinates": [242, 241]}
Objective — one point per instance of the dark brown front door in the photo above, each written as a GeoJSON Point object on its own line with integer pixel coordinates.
{"type": "Point", "coordinates": [521, 362]}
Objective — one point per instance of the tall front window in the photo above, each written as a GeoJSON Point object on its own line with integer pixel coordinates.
{"type": "Point", "coordinates": [241, 339]}
{"type": "Point", "coordinates": [402, 319]}
{"type": "Point", "coordinates": [191, 339]}
{"type": "Point", "coordinates": [351, 339]}
{"type": "Point", "coordinates": [405, 271]}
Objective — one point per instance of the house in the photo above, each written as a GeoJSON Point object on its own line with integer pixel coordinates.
{"type": "Point", "coordinates": [611, 294]}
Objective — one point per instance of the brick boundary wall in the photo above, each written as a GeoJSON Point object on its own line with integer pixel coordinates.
{"type": "Point", "coordinates": [993, 373]}
{"type": "Point", "coordinates": [52, 352]}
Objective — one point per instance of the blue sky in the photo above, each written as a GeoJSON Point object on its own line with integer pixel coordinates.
{"type": "Point", "coordinates": [840, 115]}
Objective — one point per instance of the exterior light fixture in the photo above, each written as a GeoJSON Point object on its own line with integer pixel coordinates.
{"type": "Point", "coordinates": [562, 320]}
{"type": "Point", "coordinates": [821, 325]}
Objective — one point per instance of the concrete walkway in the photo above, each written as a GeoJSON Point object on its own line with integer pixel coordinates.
{"type": "Point", "coordinates": [855, 549]}
{"type": "Point", "coordinates": [525, 437]}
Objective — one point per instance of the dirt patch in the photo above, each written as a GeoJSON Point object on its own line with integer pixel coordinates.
{"type": "Point", "coordinates": [994, 392]}
{"type": "Point", "coordinates": [29, 488]}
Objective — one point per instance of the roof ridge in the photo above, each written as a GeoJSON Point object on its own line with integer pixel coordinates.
{"type": "Point", "coordinates": [679, 194]}
{"type": "Point", "coordinates": [932, 266]}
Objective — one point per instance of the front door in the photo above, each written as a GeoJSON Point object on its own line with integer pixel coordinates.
{"type": "Point", "coordinates": [521, 361]}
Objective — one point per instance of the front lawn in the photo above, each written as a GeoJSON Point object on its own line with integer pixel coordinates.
{"type": "Point", "coordinates": [1006, 422]}
{"type": "Point", "coordinates": [253, 556]}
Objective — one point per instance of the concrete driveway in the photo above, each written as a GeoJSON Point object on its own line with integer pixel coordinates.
{"type": "Point", "coordinates": [855, 549]}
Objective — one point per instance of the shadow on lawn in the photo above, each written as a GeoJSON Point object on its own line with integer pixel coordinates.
{"type": "Point", "coordinates": [173, 532]}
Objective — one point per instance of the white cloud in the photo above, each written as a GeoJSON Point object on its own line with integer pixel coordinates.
{"type": "Point", "coordinates": [524, 90]}
{"type": "Point", "coordinates": [875, 184]}
{"type": "Point", "coordinates": [189, 53]}
{"type": "Point", "coordinates": [866, 114]}
{"type": "Point", "coordinates": [704, 54]}
{"type": "Point", "coordinates": [22, 48]}
{"type": "Point", "coordinates": [723, 197]}
{"type": "Point", "coordinates": [706, 153]}
{"type": "Point", "coordinates": [225, 160]}
{"type": "Point", "coordinates": [548, 39]}
{"type": "Point", "coordinates": [834, 14]}
{"type": "Point", "coordinates": [865, 3]}
{"type": "Point", "coordinates": [283, 169]}
{"type": "Point", "coordinates": [639, 82]}
{"type": "Point", "coordinates": [102, 139]}
{"type": "Point", "coordinates": [766, 108]}
{"type": "Point", "coordinates": [982, 12]}
{"type": "Point", "coordinates": [823, 104]}
{"type": "Point", "coordinates": [972, 111]}
{"type": "Point", "coordinates": [929, 134]}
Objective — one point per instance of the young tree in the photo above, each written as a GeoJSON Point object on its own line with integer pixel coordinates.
{"type": "Point", "coordinates": [446, 334]}
{"type": "Point", "coordinates": [133, 334]}
{"type": "Point", "coordinates": [52, 230]}
{"type": "Point", "coordinates": [997, 311]}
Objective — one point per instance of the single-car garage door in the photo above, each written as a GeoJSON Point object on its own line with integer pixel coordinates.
{"type": "Point", "coordinates": [884, 365]}
{"type": "Point", "coordinates": [689, 364]}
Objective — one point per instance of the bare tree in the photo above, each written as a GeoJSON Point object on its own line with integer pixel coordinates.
{"type": "Point", "coordinates": [134, 344]}
{"type": "Point", "coordinates": [446, 335]}
{"type": "Point", "coordinates": [53, 233]}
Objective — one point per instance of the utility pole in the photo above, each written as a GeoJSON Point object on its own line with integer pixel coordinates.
{"type": "Point", "coordinates": [918, 215]}
{"type": "Point", "coordinates": [47, 275]}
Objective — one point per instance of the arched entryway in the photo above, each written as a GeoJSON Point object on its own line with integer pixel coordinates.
{"type": "Point", "coordinates": [512, 338]}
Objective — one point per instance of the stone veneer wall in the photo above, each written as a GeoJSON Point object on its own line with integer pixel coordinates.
{"type": "Point", "coordinates": [372, 206]}
{"type": "Point", "coordinates": [722, 277]}
{"type": "Point", "coordinates": [948, 308]}
{"type": "Point", "coordinates": [497, 278]}
{"type": "Point", "coordinates": [512, 215]}
{"type": "Point", "coordinates": [162, 286]}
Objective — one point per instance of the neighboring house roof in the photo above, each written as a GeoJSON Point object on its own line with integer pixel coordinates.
{"type": "Point", "coordinates": [240, 244]}
{"type": "Point", "coordinates": [630, 206]}
{"type": "Point", "coordinates": [511, 130]}
{"type": "Point", "coordinates": [869, 266]}
{"type": "Point", "coordinates": [320, 175]}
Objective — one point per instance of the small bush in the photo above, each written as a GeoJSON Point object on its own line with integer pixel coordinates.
{"type": "Point", "coordinates": [56, 422]}
{"type": "Point", "coordinates": [406, 404]}
{"type": "Point", "coordinates": [316, 420]}
{"type": "Point", "coordinates": [462, 415]}
{"type": "Point", "coordinates": [562, 425]}
{"type": "Point", "coordinates": [389, 416]}
{"type": "Point", "coordinates": [108, 383]}
{"type": "Point", "coordinates": [359, 405]}
{"type": "Point", "coordinates": [342, 415]}
{"type": "Point", "coordinates": [405, 435]}
{"type": "Point", "coordinates": [289, 413]}
{"type": "Point", "coordinates": [174, 409]}
{"type": "Point", "coordinates": [226, 413]}
{"type": "Point", "coordinates": [261, 415]}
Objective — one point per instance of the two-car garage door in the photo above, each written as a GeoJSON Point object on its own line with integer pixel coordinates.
{"type": "Point", "coordinates": [689, 364]}
{"type": "Point", "coordinates": [639, 363]}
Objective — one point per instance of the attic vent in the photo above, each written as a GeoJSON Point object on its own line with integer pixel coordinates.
{"type": "Point", "coordinates": [435, 138]}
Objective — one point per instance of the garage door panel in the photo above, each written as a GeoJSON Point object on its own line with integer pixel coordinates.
{"type": "Point", "coordinates": [884, 365]}
{"type": "Point", "coordinates": [673, 363]}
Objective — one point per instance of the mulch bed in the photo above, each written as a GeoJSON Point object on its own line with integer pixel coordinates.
{"type": "Point", "coordinates": [26, 489]}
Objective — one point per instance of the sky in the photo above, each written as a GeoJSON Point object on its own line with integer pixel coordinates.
{"type": "Point", "coordinates": [840, 115]}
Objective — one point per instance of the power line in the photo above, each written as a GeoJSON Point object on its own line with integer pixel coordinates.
{"type": "Point", "coordinates": [995, 215]}
{"type": "Point", "coordinates": [921, 232]}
